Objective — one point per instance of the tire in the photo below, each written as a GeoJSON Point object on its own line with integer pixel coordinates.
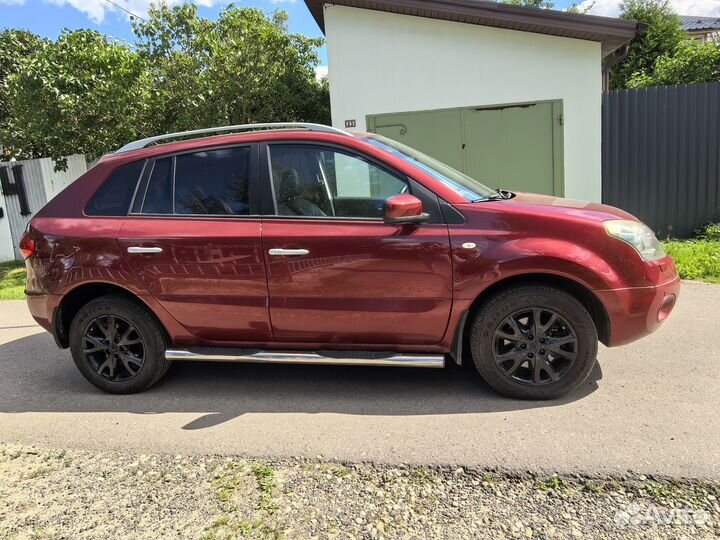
{"type": "Point", "coordinates": [534, 360]}
{"type": "Point", "coordinates": [136, 359]}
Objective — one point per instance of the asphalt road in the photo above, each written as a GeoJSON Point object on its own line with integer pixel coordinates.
{"type": "Point", "coordinates": [652, 407]}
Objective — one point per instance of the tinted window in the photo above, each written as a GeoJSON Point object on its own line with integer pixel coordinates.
{"type": "Point", "coordinates": [113, 196]}
{"type": "Point", "coordinates": [213, 182]}
{"type": "Point", "coordinates": [157, 198]}
{"type": "Point", "coordinates": [317, 181]}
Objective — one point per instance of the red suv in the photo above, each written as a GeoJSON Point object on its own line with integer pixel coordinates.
{"type": "Point", "coordinates": [307, 244]}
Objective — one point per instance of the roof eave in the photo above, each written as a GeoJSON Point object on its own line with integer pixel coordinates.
{"type": "Point", "coordinates": [611, 32]}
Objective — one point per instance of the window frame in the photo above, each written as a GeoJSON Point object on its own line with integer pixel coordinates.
{"type": "Point", "coordinates": [107, 177]}
{"type": "Point", "coordinates": [253, 184]}
{"type": "Point", "coordinates": [268, 208]}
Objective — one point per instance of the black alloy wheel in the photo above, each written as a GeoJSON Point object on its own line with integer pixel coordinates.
{"type": "Point", "coordinates": [113, 348]}
{"type": "Point", "coordinates": [535, 346]}
{"type": "Point", "coordinates": [533, 341]}
{"type": "Point", "coordinates": [118, 344]}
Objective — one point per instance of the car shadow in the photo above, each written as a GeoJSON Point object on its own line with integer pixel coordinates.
{"type": "Point", "coordinates": [35, 376]}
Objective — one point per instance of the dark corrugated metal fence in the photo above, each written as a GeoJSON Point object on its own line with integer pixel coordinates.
{"type": "Point", "coordinates": [661, 155]}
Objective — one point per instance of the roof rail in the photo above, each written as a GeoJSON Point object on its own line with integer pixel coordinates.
{"type": "Point", "coordinates": [144, 143]}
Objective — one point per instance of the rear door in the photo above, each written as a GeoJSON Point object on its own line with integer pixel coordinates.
{"type": "Point", "coordinates": [193, 238]}
{"type": "Point", "coordinates": [337, 274]}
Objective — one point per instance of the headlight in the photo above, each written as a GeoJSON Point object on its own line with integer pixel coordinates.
{"type": "Point", "coordinates": [638, 235]}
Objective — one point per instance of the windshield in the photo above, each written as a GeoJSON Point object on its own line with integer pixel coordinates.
{"type": "Point", "coordinates": [470, 189]}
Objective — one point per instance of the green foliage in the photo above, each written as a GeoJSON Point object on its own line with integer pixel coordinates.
{"type": "Point", "coordinates": [544, 4]}
{"type": "Point", "coordinates": [81, 94]}
{"type": "Point", "coordinates": [663, 35]}
{"type": "Point", "coordinates": [711, 232]}
{"type": "Point", "coordinates": [691, 62]}
{"type": "Point", "coordinates": [15, 47]}
{"type": "Point", "coordinates": [88, 94]}
{"type": "Point", "coordinates": [244, 67]}
{"type": "Point", "coordinates": [12, 280]}
{"type": "Point", "coordinates": [698, 258]}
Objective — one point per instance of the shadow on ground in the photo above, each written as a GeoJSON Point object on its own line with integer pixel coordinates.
{"type": "Point", "coordinates": [35, 376]}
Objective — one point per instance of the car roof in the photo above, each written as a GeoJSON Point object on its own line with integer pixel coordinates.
{"type": "Point", "coordinates": [238, 128]}
{"type": "Point", "coordinates": [156, 149]}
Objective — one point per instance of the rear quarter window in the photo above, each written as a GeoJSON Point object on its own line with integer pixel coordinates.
{"type": "Point", "coordinates": [114, 195]}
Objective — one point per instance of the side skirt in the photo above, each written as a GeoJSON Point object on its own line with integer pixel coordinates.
{"type": "Point", "coordinates": [341, 358]}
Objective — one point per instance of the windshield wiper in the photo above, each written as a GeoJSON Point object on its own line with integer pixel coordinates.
{"type": "Point", "coordinates": [502, 194]}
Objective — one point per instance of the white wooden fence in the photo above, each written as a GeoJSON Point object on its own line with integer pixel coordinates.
{"type": "Point", "coordinates": [26, 187]}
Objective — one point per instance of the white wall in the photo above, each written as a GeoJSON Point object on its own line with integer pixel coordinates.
{"type": "Point", "coordinates": [42, 183]}
{"type": "Point", "coordinates": [7, 250]}
{"type": "Point", "coordinates": [385, 63]}
{"type": "Point", "coordinates": [55, 181]}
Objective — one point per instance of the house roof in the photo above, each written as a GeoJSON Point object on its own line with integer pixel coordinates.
{"type": "Point", "coordinates": [611, 32]}
{"type": "Point", "coordinates": [693, 23]}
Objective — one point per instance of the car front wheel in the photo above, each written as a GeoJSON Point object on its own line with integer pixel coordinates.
{"type": "Point", "coordinates": [118, 345]}
{"type": "Point", "coordinates": [534, 342]}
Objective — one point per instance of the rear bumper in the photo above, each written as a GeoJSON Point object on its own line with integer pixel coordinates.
{"type": "Point", "coordinates": [39, 307]}
{"type": "Point", "coordinates": [635, 312]}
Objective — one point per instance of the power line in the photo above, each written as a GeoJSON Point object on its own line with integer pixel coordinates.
{"type": "Point", "coordinates": [124, 9]}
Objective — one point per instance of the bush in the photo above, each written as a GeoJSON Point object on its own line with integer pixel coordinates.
{"type": "Point", "coordinates": [698, 258]}
{"type": "Point", "coordinates": [711, 232]}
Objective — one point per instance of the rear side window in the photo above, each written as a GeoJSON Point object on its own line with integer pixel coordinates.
{"type": "Point", "coordinates": [114, 195]}
{"type": "Point", "coordinates": [157, 198]}
{"type": "Point", "coordinates": [212, 182]}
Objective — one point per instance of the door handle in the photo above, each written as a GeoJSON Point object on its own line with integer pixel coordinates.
{"type": "Point", "coordinates": [288, 252]}
{"type": "Point", "coordinates": [140, 249]}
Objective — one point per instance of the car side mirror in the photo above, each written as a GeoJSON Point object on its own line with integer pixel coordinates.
{"type": "Point", "coordinates": [404, 208]}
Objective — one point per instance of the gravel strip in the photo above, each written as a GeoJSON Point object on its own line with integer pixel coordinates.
{"type": "Point", "coordinates": [60, 495]}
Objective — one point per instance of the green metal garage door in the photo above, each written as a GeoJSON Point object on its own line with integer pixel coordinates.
{"type": "Point", "coordinates": [516, 147]}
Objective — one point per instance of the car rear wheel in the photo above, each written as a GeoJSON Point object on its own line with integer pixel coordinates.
{"type": "Point", "coordinates": [118, 345]}
{"type": "Point", "coordinates": [534, 342]}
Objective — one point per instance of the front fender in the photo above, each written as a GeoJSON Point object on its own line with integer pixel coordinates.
{"type": "Point", "coordinates": [497, 257]}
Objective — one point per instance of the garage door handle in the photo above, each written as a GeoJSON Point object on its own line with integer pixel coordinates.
{"type": "Point", "coordinates": [290, 252]}
{"type": "Point", "coordinates": [140, 249]}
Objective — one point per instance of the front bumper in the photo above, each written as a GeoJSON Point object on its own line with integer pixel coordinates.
{"type": "Point", "coordinates": [635, 312]}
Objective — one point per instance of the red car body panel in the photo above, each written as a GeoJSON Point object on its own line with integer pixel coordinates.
{"type": "Point", "coordinates": [364, 282]}
{"type": "Point", "coordinates": [367, 285]}
{"type": "Point", "coordinates": [210, 275]}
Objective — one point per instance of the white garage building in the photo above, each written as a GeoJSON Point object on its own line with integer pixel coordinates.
{"type": "Point", "coordinates": [510, 95]}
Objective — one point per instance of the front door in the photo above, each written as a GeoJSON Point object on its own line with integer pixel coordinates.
{"type": "Point", "coordinates": [336, 272]}
{"type": "Point", "coordinates": [193, 242]}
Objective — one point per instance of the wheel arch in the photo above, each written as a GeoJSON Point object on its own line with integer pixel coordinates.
{"type": "Point", "coordinates": [579, 291]}
{"type": "Point", "coordinates": [75, 299]}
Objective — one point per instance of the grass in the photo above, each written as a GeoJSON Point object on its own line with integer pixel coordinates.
{"type": "Point", "coordinates": [12, 280]}
{"type": "Point", "coordinates": [698, 258]}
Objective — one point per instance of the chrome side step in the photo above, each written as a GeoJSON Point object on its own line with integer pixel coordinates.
{"type": "Point", "coordinates": [336, 358]}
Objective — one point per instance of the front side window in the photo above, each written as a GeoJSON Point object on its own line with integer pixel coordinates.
{"type": "Point", "coordinates": [211, 182]}
{"type": "Point", "coordinates": [323, 182]}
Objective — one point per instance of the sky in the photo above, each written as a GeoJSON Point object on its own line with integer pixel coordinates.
{"type": "Point", "coordinates": [49, 17]}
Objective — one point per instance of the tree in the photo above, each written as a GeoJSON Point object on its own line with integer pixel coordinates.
{"type": "Point", "coordinates": [81, 94]}
{"type": "Point", "coordinates": [544, 4]}
{"type": "Point", "coordinates": [691, 62]}
{"type": "Point", "coordinates": [89, 94]}
{"type": "Point", "coordinates": [244, 67]}
{"type": "Point", "coordinates": [15, 47]}
{"type": "Point", "coordinates": [662, 36]}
